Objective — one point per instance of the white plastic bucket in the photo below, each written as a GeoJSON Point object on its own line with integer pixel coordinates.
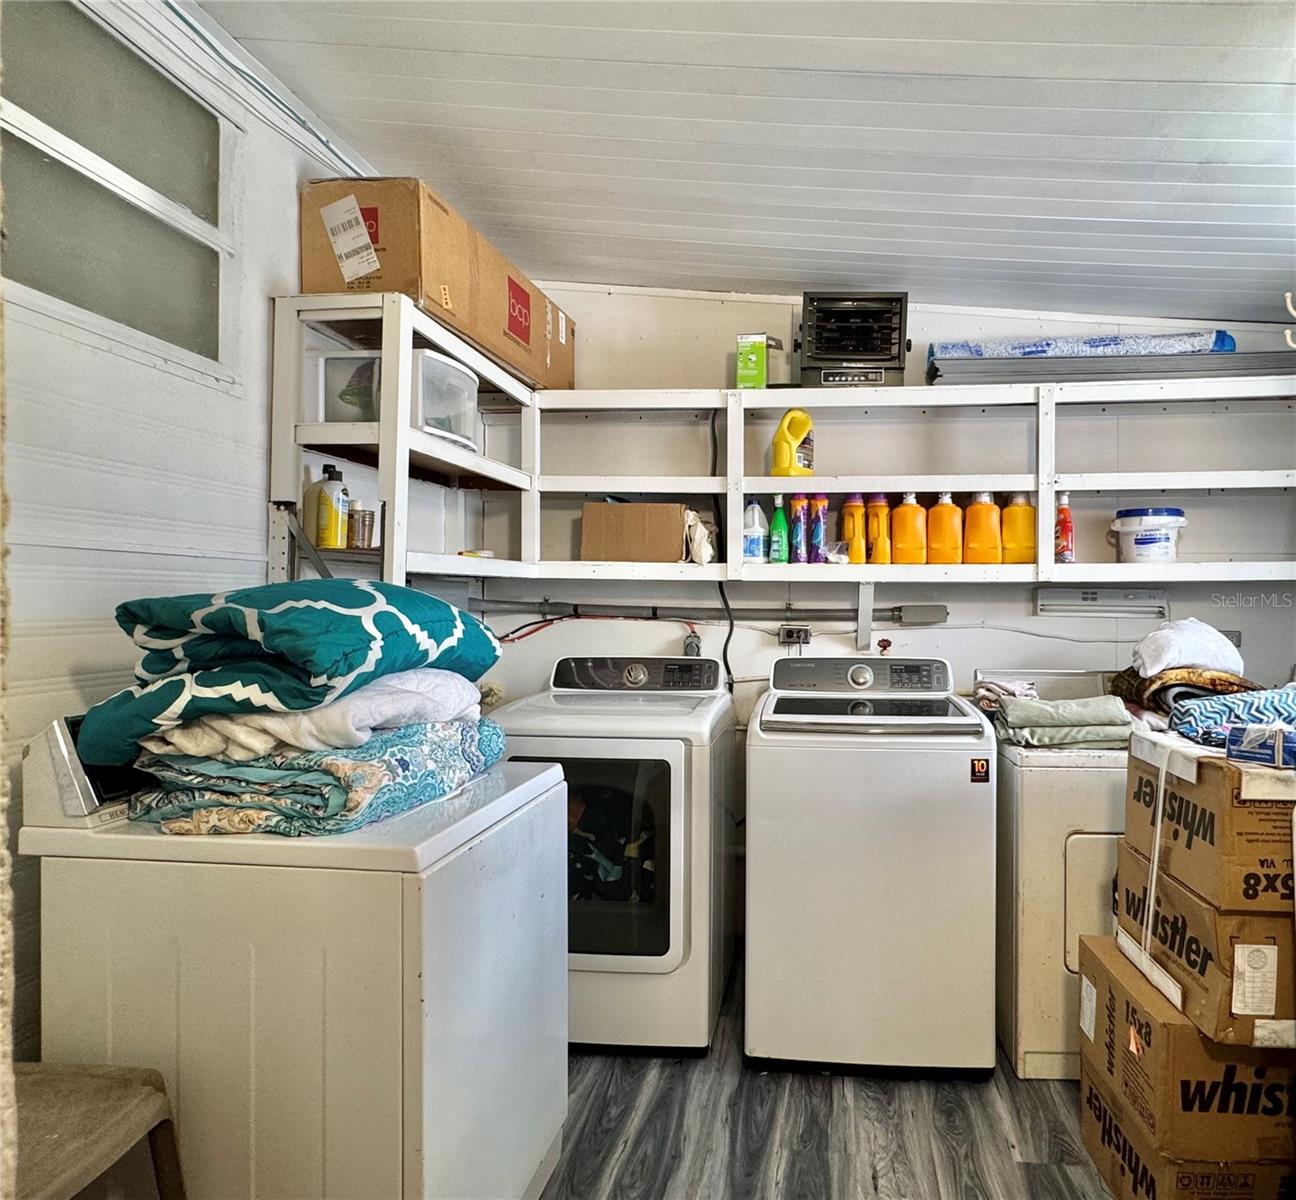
{"type": "Point", "coordinates": [1148, 534]}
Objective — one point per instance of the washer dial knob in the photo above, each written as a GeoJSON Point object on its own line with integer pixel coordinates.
{"type": "Point", "coordinates": [859, 676]}
{"type": "Point", "coordinates": [636, 675]}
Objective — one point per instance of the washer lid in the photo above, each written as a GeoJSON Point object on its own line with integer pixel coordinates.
{"type": "Point", "coordinates": [410, 843]}
{"type": "Point", "coordinates": [690, 718]}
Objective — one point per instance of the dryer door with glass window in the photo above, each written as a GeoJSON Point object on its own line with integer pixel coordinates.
{"type": "Point", "coordinates": [626, 840]}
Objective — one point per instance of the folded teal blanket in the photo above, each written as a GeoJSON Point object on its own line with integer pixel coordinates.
{"type": "Point", "coordinates": [282, 647]}
{"type": "Point", "coordinates": [1095, 721]}
{"type": "Point", "coordinates": [321, 791]}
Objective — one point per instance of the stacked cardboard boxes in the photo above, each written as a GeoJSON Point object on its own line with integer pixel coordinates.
{"type": "Point", "coordinates": [1196, 1099]}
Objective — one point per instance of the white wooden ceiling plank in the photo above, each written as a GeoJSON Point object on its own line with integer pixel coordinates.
{"type": "Point", "coordinates": [499, 148]}
{"type": "Point", "coordinates": [837, 50]}
{"type": "Point", "coordinates": [408, 103]}
{"type": "Point", "coordinates": [559, 187]}
{"type": "Point", "coordinates": [469, 163]}
{"type": "Point", "coordinates": [1219, 23]}
{"type": "Point", "coordinates": [394, 72]}
{"type": "Point", "coordinates": [418, 119]}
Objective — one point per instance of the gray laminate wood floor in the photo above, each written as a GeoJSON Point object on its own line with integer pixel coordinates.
{"type": "Point", "coordinates": [646, 1128]}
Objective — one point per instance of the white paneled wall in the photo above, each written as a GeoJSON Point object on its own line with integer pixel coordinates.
{"type": "Point", "coordinates": [130, 474]}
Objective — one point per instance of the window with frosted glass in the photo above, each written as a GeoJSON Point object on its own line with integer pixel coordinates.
{"type": "Point", "coordinates": [74, 235]}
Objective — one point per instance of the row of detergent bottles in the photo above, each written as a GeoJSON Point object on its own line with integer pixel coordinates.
{"type": "Point", "coordinates": [944, 533]}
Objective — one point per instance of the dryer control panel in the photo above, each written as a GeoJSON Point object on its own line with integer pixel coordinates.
{"type": "Point", "coordinates": [636, 675]}
{"type": "Point", "coordinates": [848, 675]}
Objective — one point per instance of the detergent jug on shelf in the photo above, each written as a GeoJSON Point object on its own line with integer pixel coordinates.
{"type": "Point", "coordinates": [792, 452]}
{"type": "Point", "coordinates": [982, 535]}
{"type": "Point", "coordinates": [945, 531]}
{"type": "Point", "coordinates": [1019, 530]}
{"type": "Point", "coordinates": [853, 528]}
{"type": "Point", "coordinates": [909, 531]}
{"type": "Point", "coordinates": [878, 529]}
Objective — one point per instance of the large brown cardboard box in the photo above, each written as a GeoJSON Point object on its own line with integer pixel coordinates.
{"type": "Point", "coordinates": [1134, 1170]}
{"type": "Point", "coordinates": [1237, 970]}
{"type": "Point", "coordinates": [1188, 1096]}
{"type": "Point", "coordinates": [1226, 834]}
{"type": "Point", "coordinates": [428, 251]}
{"type": "Point", "coordinates": [632, 532]}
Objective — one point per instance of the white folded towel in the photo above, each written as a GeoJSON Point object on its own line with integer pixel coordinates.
{"type": "Point", "coordinates": [1186, 643]}
{"type": "Point", "coordinates": [419, 697]}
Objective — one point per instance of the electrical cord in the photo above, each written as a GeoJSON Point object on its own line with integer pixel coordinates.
{"type": "Point", "coordinates": [724, 650]}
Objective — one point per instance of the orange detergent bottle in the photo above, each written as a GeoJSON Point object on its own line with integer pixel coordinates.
{"type": "Point", "coordinates": [909, 531]}
{"type": "Point", "coordinates": [878, 529]}
{"type": "Point", "coordinates": [982, 539]}
{"type": "Point", "coordinates": [945, 531]}
{"type": "Point", "coordinates": [852, 527]}
{"type": "Point", "coordinates": [1019, 530]}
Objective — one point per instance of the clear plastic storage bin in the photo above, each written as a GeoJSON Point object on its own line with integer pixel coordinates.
{"type": "Point", "coordinates": [443, 392]}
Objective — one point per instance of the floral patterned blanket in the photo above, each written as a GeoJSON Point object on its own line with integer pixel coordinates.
{"type": "Point", "coordinates": [322, 791]}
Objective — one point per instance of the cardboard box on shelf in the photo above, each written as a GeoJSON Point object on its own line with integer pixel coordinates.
{"type": "Point", "coordinates": [1188, 1096]}
{"type": "Point", "coordinates": [414, 242]}
{"type": "Point", "coordinates": [1237, 971]}
{"type": "Point", "coordinates": [632, 532]}
{"type": "Point", "coordinates": [1227, 833]}
{"type": "Point", "coordinates": [1134, 1170]}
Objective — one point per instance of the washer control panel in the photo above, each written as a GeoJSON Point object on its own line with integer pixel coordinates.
{"type": "Point", "coordinates": [847, 675]}
{"type": "Point", "coordinates": [636, 675]}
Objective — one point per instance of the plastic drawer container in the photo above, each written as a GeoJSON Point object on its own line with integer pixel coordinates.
{"type": "Point", "coordinates": [443, 392]}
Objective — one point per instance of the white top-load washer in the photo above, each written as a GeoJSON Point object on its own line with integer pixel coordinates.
{"type": "Point", "coordinates": [380, 1013]}
{"type": "Point", "coordinates": [649, 750]}
{"type": "Point", "coordinates": [1061, 816]}
{"type": "Point", "coordinates": [870, 867]}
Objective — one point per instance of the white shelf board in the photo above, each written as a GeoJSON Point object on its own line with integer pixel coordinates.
{"type": "Point", "coordinates": [1175, 572]}
{"type": "Point", "coordinates": [629, 399]}
{"type": "Point", "coordinates": [889, 572]}
{"type": "Point", "coordinates": [1228, 387]}
{"type": "Point", "coordinates": [645, 484]}
{"type": "Point", "coordinates": [833, 484]}
{"type": "Point", "coordinates": [352, 306]}
{"type": "Point", "coordinates": [431, 453]}
{"type": "Point", "coordinates": [419, 563]}
{"type": "Point", "coordinates": [1155, 481]}
{"type": "Point", "coordinates": [553, 569]}
{"type": "Point", "coordinates": [935, 396]}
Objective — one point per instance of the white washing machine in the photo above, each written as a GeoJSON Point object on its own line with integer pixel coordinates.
{"type": "Point", "coordinates": [380, 1013]}
{"type": "Point", "coordinates": [870, 867]}
{"type": "Point", "coordinates": [649, 750]}
{"type": "Point", "coordinates": [1061, 816]}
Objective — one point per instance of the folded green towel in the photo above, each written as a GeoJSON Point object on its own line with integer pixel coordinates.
{"type": "Point", "coordinates": [1082, 737]}
{"type": "Point", "coordinates": [1017, 713]}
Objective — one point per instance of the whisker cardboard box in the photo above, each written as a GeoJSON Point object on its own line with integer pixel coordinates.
{"type": "Point", "coordinates": [1189, 1097]}
{"type": "Point", "coordinates": [1236, 971]}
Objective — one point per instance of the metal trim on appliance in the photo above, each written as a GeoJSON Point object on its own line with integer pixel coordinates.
{"type": "Point", "coordinates": [672, 753]}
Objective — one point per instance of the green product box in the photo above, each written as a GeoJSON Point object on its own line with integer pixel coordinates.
{"type": "Point", "coordinates": [757, 367]}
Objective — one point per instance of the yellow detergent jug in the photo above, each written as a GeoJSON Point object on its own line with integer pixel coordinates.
{"type": "Point", "coordinates": [853, 528]}
{"type": "Point", "coordinates": [982, 538]}
{"type": "Point", "coordinates": [878, 528]}
{"type": "Point", "coordinates": [909, 531]}
{"type": "Point", "coordinates": [944, 531]}
{"type": "Point", "coordinates": [793, 450]}
{"type": "Point", "coordinates": [1019, 530]}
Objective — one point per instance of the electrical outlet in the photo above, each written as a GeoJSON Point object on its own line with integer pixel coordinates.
{"type": "Point", "coordinates": [794, 635]}
{"type": "Point", "coordinates": [1234, 636]}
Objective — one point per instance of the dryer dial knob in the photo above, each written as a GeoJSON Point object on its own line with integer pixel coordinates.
{"type": "Point", "coordinates": [859, 676]}
{"type": "Point", "coordinates": [636, 675]}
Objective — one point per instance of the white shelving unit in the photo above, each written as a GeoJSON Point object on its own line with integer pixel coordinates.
{"type": "Point", "coordinates": [401, 452]}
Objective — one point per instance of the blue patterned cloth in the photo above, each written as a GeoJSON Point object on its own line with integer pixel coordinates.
{"type": "Point", "coordinates": [322, 791]}
{"type": "Point", "coordinates": [282, 647]}
{"type": "Point", "coordinates": [1208, 720]}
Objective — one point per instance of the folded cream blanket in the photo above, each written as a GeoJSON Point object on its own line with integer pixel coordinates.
{"type": "Point", "coordinates": [424, 696]}
{"type": "Point", "coordinates": [1094, 721]}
